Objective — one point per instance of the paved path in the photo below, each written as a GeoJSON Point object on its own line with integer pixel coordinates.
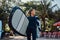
{"type": "Point", "coordinates": [24, 38]}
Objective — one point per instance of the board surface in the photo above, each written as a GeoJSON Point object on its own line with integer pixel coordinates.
{"type": "Point", "coordinates": [18, 21]}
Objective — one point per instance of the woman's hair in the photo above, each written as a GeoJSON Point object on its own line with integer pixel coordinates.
{"type": "Point", "coordinates": [30, 11]}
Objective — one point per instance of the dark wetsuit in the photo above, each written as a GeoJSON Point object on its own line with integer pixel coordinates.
{"type": "Point", "coordinates": [31, 29]}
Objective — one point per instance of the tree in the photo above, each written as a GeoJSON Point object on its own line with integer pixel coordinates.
{"type": "Point", "coordinates": [29, 5]}
{"type": "Point", "coordinates": [3, 14]}
{"type": "Point", "coordinates": [45, 8]}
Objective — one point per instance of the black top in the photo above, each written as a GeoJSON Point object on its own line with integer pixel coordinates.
{"type": "Point", "coordinates": [32, 22]}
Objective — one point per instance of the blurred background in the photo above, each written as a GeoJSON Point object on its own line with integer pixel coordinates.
{"type": "Point", "coordinates": [48, 12]}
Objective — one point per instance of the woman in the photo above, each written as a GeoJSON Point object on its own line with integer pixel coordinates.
{"type": "Point", "coordinates": [32, 28]}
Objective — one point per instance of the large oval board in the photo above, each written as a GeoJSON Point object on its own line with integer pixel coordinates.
{"type": "Point", "coordinates": [18, 21]}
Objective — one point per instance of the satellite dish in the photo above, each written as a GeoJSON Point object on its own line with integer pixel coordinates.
{"type": "Point", "coordinates": [18, 21]}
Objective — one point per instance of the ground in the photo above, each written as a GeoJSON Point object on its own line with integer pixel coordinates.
{"type": "Point", "coordinates": [24, 38]}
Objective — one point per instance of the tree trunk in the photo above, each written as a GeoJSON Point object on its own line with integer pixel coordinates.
{"type": "Point", "coordinates": [43, 19]}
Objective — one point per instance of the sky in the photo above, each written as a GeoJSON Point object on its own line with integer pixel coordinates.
{"type": "Point", "coordinates": [53, 3]}
{"type": "Point", "coordinates": [58, 4]}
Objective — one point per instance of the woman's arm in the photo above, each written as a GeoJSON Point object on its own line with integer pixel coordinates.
{"type": "Point", "coordinates": [37, 23]}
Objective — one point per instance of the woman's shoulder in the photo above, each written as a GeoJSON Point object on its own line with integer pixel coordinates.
{"type": "Point", "coordinates": [28, 17]}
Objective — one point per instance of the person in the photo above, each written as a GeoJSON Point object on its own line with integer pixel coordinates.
{"type": "Point", "coordinates": [32, 28]}
{"type": "Point", "coordinates": [11, 33]}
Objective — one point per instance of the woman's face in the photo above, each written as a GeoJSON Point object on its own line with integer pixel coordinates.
{"type": "Point", "coordinates": [33, 12]}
